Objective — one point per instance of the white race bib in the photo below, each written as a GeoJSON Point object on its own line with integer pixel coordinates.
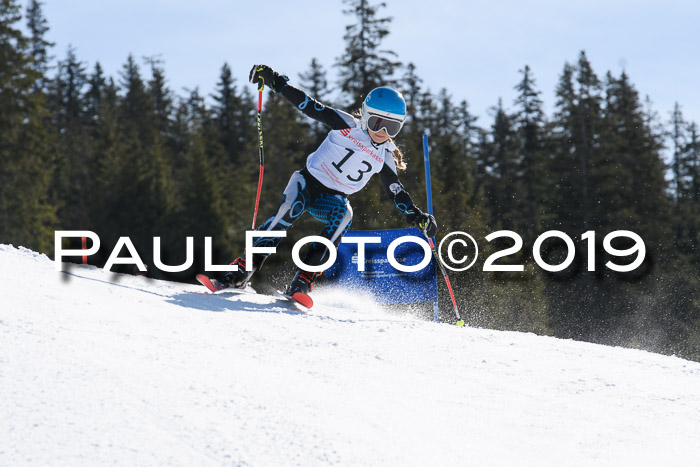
{"type": "Point", "coordinates": [347, 159]}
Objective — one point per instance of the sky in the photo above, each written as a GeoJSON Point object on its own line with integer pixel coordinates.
{"type": "Point", "coordinates": [474, 49]}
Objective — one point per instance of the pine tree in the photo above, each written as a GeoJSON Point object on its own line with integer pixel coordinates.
{"type": "Point", "coordinates": [136, 174]}
{"type": "Point", "coordinates": [411, 135]}
{"type": "Point", "coordinates": [100, 132]}
{"type": "Point", "coordinates": [163, 151]}
{"type": "Point", "coordinates": [136, 105]}
{"type": "Point", "coordinates": [579, 303]}
{"type": "Point", "coordinates": [315, 83]}
{"type": "Point", "coordinates": [38, 45]}
{"type": "Point", "coordinates": [532, 186]}
{"type": "Point", "coordinates": [72, 161]}
{"type": "Point", "coordinates": [588, 124]}
{"type": "Point", "coordinates": [161, 97]}
{"type": "Point", "coordinates": [694, 158]}
{"type": "Point", "coordinates": [645, 208]}
{"type": "Point", "coordinates": [232, 113]}
{"type": "Point", "coordinates": [693, 148]}
{"type": "Point", "coordinates": [501, 161]}
{"type": "Point", "coordinates": [411, 89]}
{"type": "Point", "coordinates": [693, 151]}
{"type": "Point", "coordinates": [364, 66]}
{"type": "Point", "coordinates": [578, 122]}
{"type": "Point", "coordinates": [26, 214]}
{"type": "Point", "coordinates": [678, 140]}
{"type": "Point", "coordinates": [563, 202]}
{"type": "Point", "coordinates": [410, 139]}
{"type": "Point", "coordinates": [451, 165]}
{"type": "Point", "coordinates": [94, 95]}
{"type": "Point", "coordinates": [101, 107]}
{"type": "Point", "coordinates": [684, 182]}
{"type": "Point", "coordinates": [629, 183]}
{"type": "Point", "coordinates": [202, 190]}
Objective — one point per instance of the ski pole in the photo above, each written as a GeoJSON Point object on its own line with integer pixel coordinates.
{"type": "Point", "coordinates": [429, 196]}
{"type": "Point", "coordinates": [428, 189]}
{"type": "Point", "coordinates": [84, 248]}
{"type": "Point", "coordinates": [460, 321]}
{"type": "Point", "coordinates": [260, 153]}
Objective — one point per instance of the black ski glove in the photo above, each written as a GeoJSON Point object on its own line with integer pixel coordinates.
{"type": "Point", "coordinates": [423, 221]}
{"type": "Point", "coordinates": [263, 74]}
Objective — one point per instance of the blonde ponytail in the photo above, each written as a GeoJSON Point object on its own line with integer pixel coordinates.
{"type": "Point", "coordinates": [398, 159]}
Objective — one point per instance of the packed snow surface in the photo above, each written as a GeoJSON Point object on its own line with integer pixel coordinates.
{"type": "Point", "coordinates": [98, 368]}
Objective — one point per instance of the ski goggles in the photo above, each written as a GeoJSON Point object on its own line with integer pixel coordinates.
{"type": "Point", "coordinates": [377, 123]}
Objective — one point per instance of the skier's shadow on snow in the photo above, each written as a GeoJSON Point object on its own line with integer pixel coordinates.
{"type": "Point", "coordinates": [227, 302]}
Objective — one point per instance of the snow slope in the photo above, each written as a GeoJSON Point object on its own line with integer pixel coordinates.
{"type": "Point", "coordinates": [98, 368]}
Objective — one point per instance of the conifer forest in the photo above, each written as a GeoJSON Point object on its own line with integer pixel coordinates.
{"type": "Point", "coordinates": [127, 156]}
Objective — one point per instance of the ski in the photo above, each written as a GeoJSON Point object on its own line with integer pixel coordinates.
{"type": "Point", "coordinates": [301, 299]}
{"type": "Point", "coordinates": [212, 284]}
{"type": "Point", "coordinates": [215, 285]}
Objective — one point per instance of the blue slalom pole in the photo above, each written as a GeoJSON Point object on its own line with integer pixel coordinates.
{"type": "Point", "coordinates": [428, 188]}
{"type": "Point", "coordinates": [429, 194]}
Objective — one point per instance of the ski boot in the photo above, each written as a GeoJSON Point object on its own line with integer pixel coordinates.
{"type": "Point", "coordinates": [238, 279]}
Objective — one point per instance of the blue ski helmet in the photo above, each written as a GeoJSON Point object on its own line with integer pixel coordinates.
{"type": "Point", "coordinates": [383, 108]}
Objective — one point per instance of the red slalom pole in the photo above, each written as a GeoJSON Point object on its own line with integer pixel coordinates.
{"type": "Point", "coordinates": [460, 321]}
{"type": "Point", "coordinates": [84, 248]}
{"type": "Point", "coordinates": [260, 153]}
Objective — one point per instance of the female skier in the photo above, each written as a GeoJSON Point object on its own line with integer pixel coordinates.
{"type": "Point", "coordinates": [353, 151]}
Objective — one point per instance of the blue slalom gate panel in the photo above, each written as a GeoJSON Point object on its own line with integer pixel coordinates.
{"type": "Point", "coordinates": [387, 284]}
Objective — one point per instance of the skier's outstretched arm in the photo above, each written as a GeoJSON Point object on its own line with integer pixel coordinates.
{"type": "Point", "coordinates": [333, 118]}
